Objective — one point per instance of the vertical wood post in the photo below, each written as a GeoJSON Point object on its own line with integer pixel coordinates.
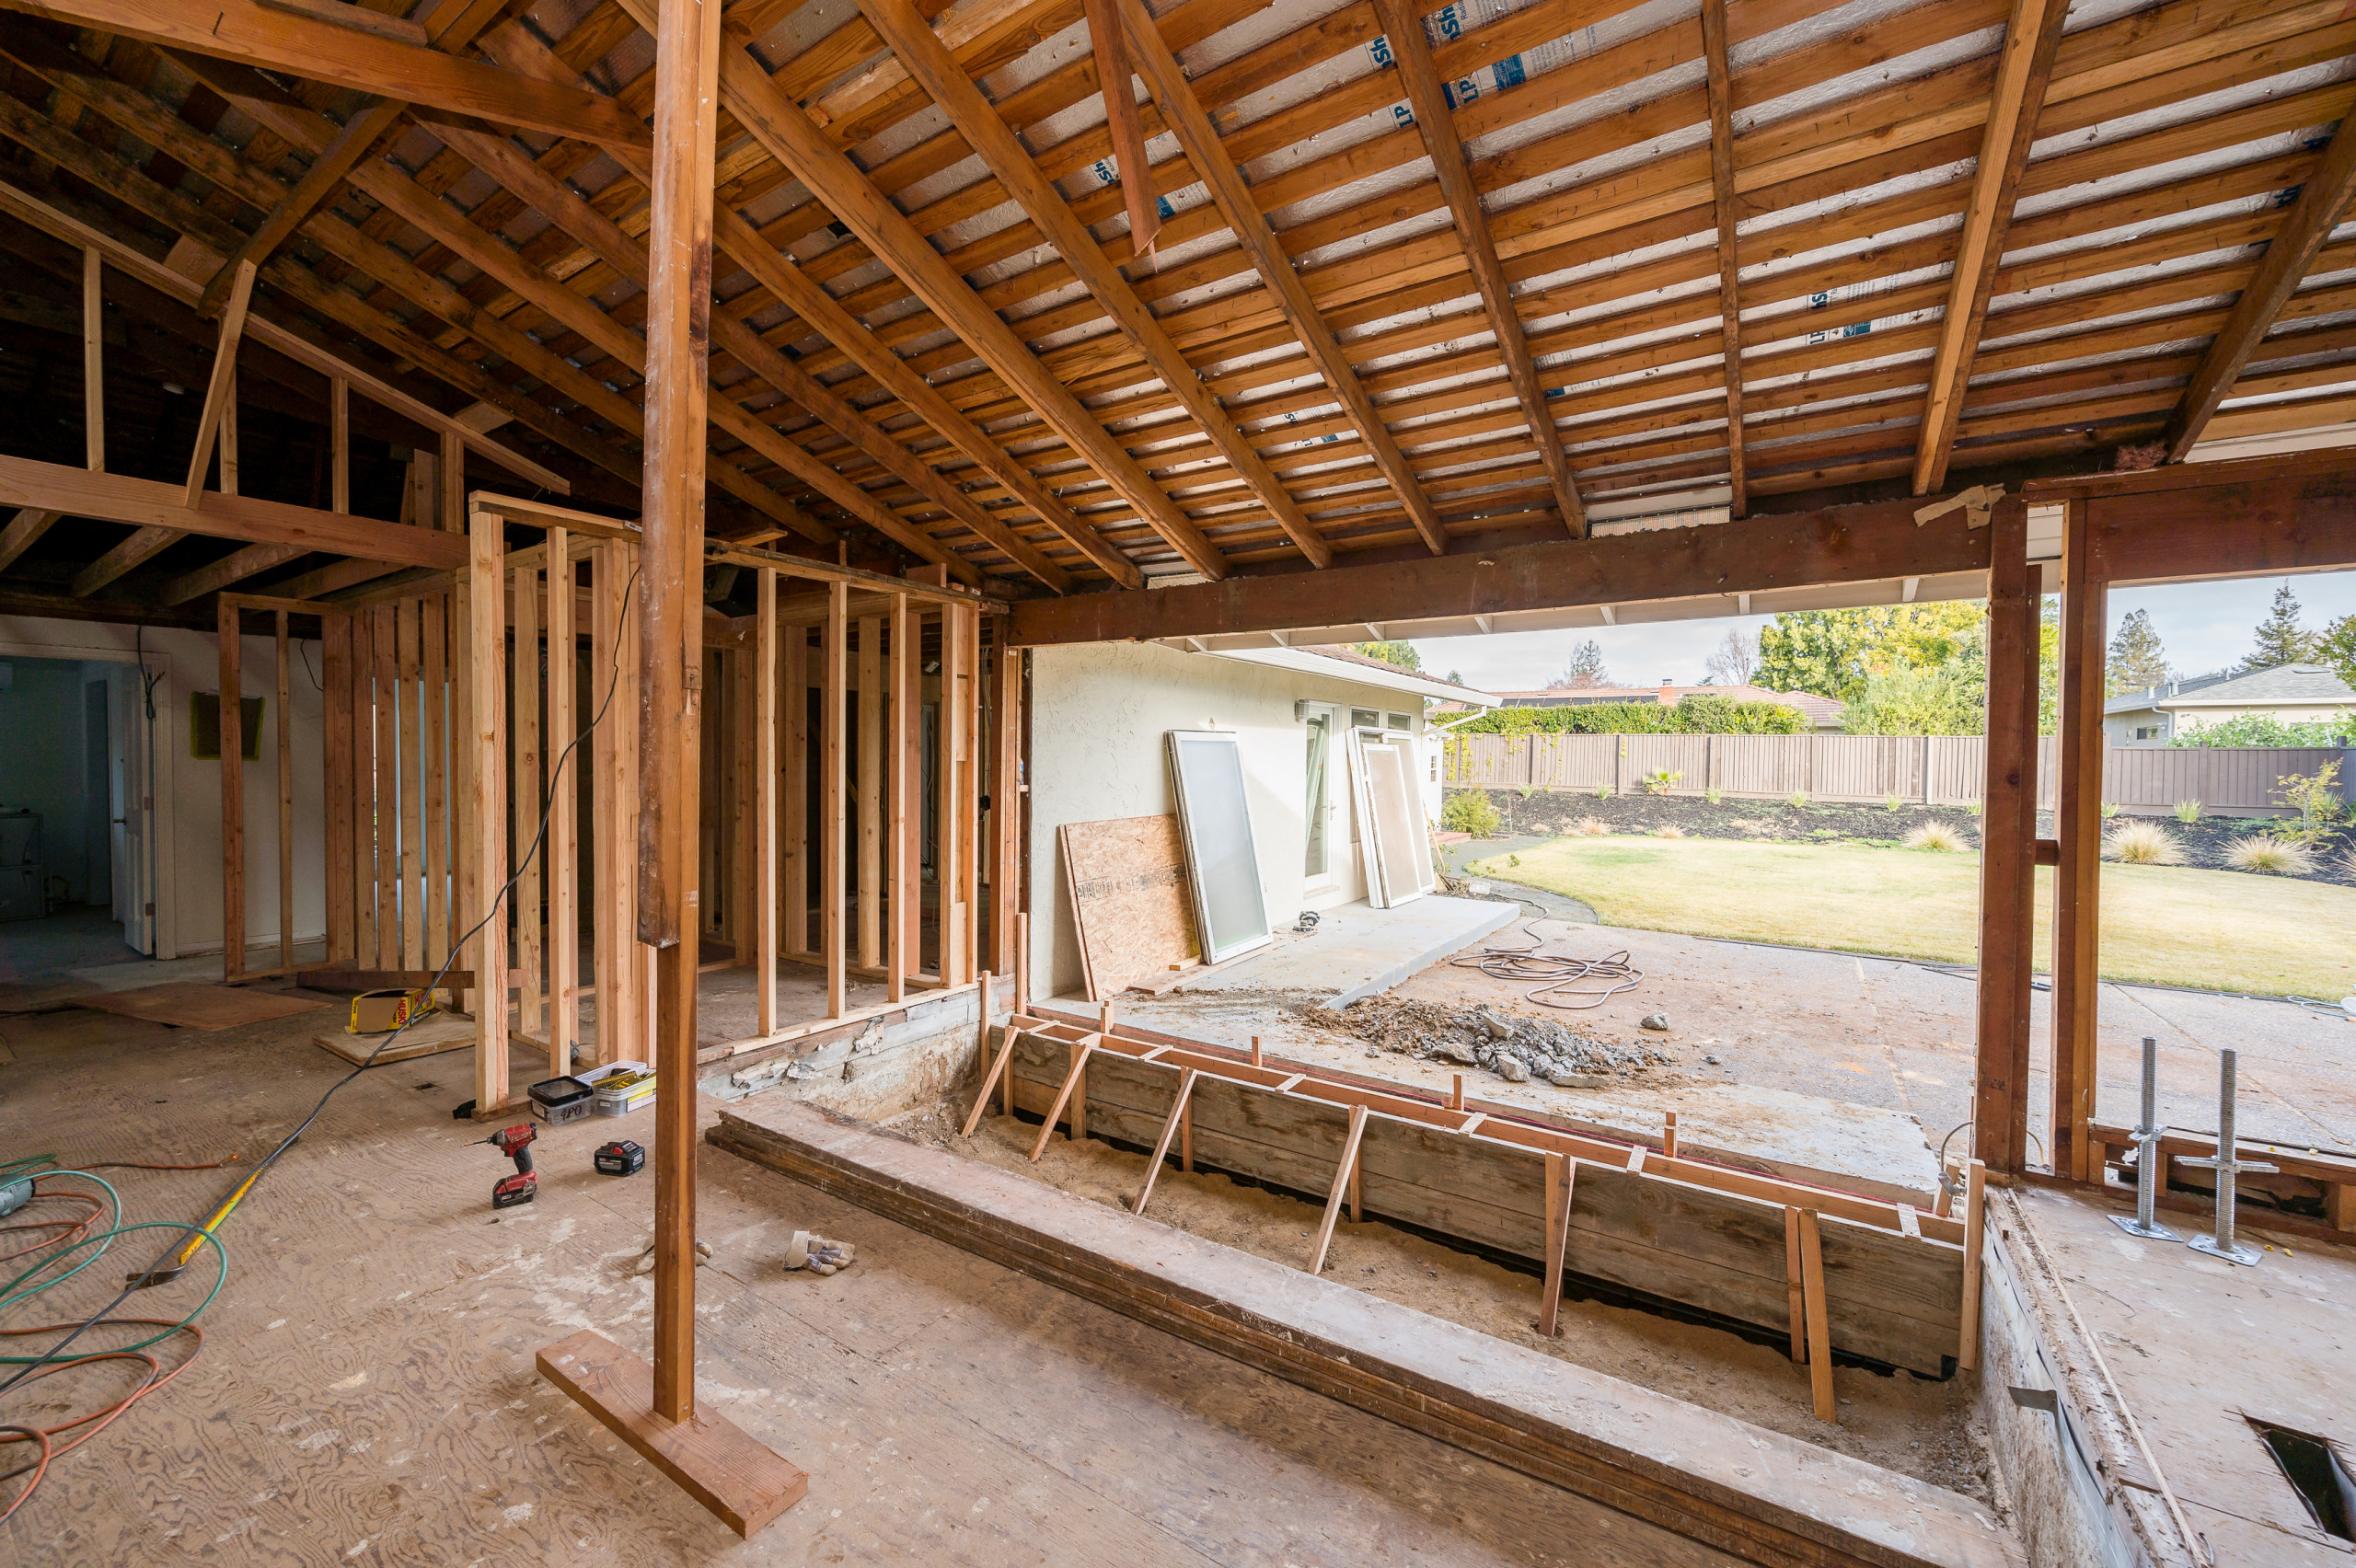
{"type": "Point", "coordinates": [830, 792]}
{"type": "Point", "coordinates": [335, 744]}
{"type": "Point", "coordinates": [2007, 858]}
{"type": "Point", "coordinates": [286, 801]}
{"type": "Point", "coordinates": [562, 851]}
{"type": "Point", "coordinates": [794, 867]}
{"type": "Point", "coordinates": [407, 616]}
{"type": "Point", "coordinates": [969, 796]}
{"type": "Point", "coordinates": [524, 721]}
{"type": "Point", "coordinates": [437, 744]}
{"type": "Point", "coordinates": [909, 626]}
{"type": "Point", "coordinates": [94, 377]}
{"type": "Point", "coordinates": [233, 796]}
{"type": "Point", "coordinates": [339, 444]}
{"type": "Point", "coordinates": [764, 805]}
{"type": "Point", "coordinates": [899, 959]}
{"type": "Point", "coordinates": [487, 803]}
{"type": "Point", "coordinates": [679, 335]}
{"type": "Point", "coordinates": [385, 818]}
{"type": "Point", "coordinates": [1008, 794]}
{"type": "Point", "coordinates": [613, 807]}
{"type": "Point", "coordinates": [949, 751]}
{"type": "Point", "coordinates": [871, 791]}
{"type": "Point", "coordinates": [2077, 817]}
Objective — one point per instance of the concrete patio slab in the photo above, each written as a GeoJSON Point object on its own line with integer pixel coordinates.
{"type": "Point", "coordinates": [1357, 950]}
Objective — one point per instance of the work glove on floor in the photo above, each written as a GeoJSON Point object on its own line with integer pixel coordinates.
{"type": "Point", "coordinates": [814, 1252]}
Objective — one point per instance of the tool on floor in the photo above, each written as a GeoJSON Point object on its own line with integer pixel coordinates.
{"type": "Point", "coordinates": [808, 1249]}
{"type": "Point", "coordinates": [164, 1274]}
{"type": "Point", "coordinates": [2222, 1244]}
{"type": "Point", "coordinates": [2150, 1163]}
{"type": "Point", "coordinates": [515, 1142]}
{"type": "Point", "coordinates": [620, 1158]}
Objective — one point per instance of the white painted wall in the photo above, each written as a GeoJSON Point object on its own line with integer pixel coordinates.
{"type": "Point", "coordinates": [1099, 715]}
{"type": "Point", "coordinates": [187, 825]}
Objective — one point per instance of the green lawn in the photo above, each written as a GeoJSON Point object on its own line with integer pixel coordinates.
{"type": "Point", "coordinates": [2175, 925]}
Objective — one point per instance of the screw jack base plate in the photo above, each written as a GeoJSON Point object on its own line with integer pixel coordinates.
{"type": "Point", "coordinates": [2246, 1256]}
{"type": "Point", "coordinates": [2133, 1226]}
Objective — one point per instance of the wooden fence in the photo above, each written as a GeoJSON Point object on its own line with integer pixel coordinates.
{"type": "Point", "coordinates": [1925, 769]}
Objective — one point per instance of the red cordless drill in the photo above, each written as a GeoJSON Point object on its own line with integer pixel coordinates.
{"type": "Point", "coordinates": [524, 1185]}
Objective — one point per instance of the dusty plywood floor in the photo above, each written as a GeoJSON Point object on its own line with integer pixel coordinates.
{"type": "Point", "coordinates": [366, 1393]}
{"type": "Point", "coordinates": [1899, 1421]}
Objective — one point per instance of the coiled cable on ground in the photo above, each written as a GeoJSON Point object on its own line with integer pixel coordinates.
{"type": "Point", "coordinates": [1556, 975]}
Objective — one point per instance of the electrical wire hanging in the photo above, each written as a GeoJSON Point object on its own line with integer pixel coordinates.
{"type": "Point", "coordinates": [1557, 976]}
{"type": "Point", "coordinates": [51, 1361]}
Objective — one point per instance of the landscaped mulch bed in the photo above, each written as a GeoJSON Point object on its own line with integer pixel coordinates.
{"type": "Point", "coordinates": [1556, 813]}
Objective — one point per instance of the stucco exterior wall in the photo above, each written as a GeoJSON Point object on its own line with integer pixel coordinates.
{"type": "Point", "coordinates": [1099, 715]}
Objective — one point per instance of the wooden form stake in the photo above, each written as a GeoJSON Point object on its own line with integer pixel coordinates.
{"type": "Point", "coordinates": [562, 855]}
{"type": "Point", "coordinates": [1170, 1127]}
{"type": "Point", "coordinates": [765, 809]}
{"type": "Point", "coordinates": [999, 1063]}
{"type": "Point", "coordinates": [232, 709]}
{"type": "Point", "coordinates": [1080, 1051]}
{"type": "Point", "coordinates": [1562, 1171]}
{"type": "Point", "coordinates": [1820, 1332]}
{"type": "Point", "coordinates": [1342, 1174]}
{"type": "Point", "coordinates": [1975, 1226]}
{"type": "Point", "coordinates": [1796, 1291]}
{"type": "Point", "coordinates": [285, 801]}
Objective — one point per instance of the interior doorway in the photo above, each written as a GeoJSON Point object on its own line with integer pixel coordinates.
{"type": "Point", "coordinates": [62, 798]}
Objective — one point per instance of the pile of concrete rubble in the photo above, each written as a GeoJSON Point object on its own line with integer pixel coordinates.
{"type": "Point", "coordinates": [1516, 1049]}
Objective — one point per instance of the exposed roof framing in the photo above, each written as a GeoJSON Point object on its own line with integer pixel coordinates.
{"type": "Point", "coordinates": [1418, 283]}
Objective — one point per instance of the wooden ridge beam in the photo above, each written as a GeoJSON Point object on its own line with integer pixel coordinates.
{"type": "Point", "coordinates": [1182, 113]}
{"type": "Point", "coordinates": [320, 52]}
{"type": "Point", "coordinates": [148, 503]}
{"type": "Point", "coordinates": [1721, 86]}
{"type": "Point", "coordinates": [2032, 42]}
{"type": "Point", "coordinates": [1849, 543]}
{"type": "Point", "coordinates": [2289, 255]}
{"type": "Point", "coordinates": [977, 121]}
{"type": "Point", "coordinates": [779, 124]}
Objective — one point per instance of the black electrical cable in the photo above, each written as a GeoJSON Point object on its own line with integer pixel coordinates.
{"type": "Point", "coordinates": [548, 809]}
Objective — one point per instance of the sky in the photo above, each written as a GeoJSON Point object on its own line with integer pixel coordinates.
{"type": "Point", "coordinates": [2203, 627]}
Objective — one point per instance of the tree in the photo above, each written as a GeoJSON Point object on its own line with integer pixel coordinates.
{"type": "Point", "coordinates": [1584, 670]}
{"type": "Point", "coordinates": [2136, 658]}
{"type": "Point", "coordinates": [1402, 654]}
{"type": "Point", "coordinates": [2337, 646]}
{"type": "Point", "coordinates": [1736, 658]}
{"type": "Point", "coordinates": [1936, 701]}
{"type": "Point", "coordinates": [1833, 653]}
{"type": "Point", "coordinates": [2280, 639]}
{"type": "Point", "coordinates": [1456, 677]}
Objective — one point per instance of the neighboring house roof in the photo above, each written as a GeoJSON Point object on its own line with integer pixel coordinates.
{"type": "Point", "coordinates": [1321, 660]}
{"type": "Point", "coordinates": [1824, 712]}
{"type": "Point", "coordinates": [2284, 686]}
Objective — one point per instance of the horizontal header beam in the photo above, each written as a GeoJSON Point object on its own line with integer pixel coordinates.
{"type": "Point", "coordinates": [1847, 544]}
{"type": "Point", "coordinates": [2253, 527]}
{"type": "Point", "coordinates": [820, 571]}
{"type": "Point", "coordinates": [144, 503]}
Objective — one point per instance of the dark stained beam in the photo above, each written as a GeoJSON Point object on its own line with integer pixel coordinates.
{"type": "Point", "coordinates": [1860, 543]}
{"type": "Point", "coordinates": [2288, 257]}
{"type": "Point", "coordinates": [1720, 85]}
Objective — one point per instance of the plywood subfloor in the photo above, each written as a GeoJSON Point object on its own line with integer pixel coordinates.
{"type": "Point", "coordinates": [191, 1004]}
{"type": "Point", "coordinates": [367, 1394]}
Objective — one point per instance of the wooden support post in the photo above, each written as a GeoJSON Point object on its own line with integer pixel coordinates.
{"type": "Point", "coordinates": [735, 870]}
{"type": "Point", "coordinates": [1795, 1290]}
{"type": "Point", "coordinates": [1975, 1231]}
{"type": "Point", "coordinates": [900, 867]}
{"type": "Point", "coordinates": [2007, 860]}
{"type": "Point", "coordinates": [335, 770]}
{"type": "Point", "coordinates": [1009, 794]}
{"type": "Point", "coordinates": [410, 903]}
{"type": "Point", "coordinates": [1080, 1051]}
{"type": "Point", "coordinates": [524, 722]}
{"type": "Point", "coordinates": [94, 377]}
{"type": "Point", "coordinates": [870, 791]}
{"type": "Point", "coordinates": [910, 618]}
{"type": "Point", "coordinates": [1341, 1184]}
{"type": "Point", "coordinates": [830, 787]}
{"type": "Point", "coordinates": [231, 707]}
{"type": "Point", "coordinates": [435, 731]}
{"type": "Point", "coordinates": [765, 887]}
{"type": "Point", "coordinates": [613, 807]}
{"type": "Point", "coordinates": [1562, 1171]}
{"type": "Point", "coordinates": [2077, 820]}
{"type": "Point", "coordinates": [950, 781]}
{"type": "Point", "coordinates": [285, 799]}
{"type": "Point", "coordinates": [1820, 1333]}
{"type": "Point", "coordinates": [794, 864]}
{"type": "Point", "coordinates": [487, 804]}
{"type": "Point", "coordinates": [340, 444]}
{"type": "Point", "coordinates": [387, 642]}
{"type": "Point", "coordinates": [562, 853]}
{"type": "Point", "coordinates": [1178, 1117]}
{"type": "Point", "coordinates": [969, 799]}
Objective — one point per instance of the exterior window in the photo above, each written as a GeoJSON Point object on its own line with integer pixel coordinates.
{"type": "Point", "coordinates": [1313, 812]}
{"type": "Point", "coordinates": [1365, 718]}
{"type": "Point", "coordinates": [1399, 722]}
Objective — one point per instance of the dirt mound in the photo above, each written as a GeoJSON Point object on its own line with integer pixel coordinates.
{"type": "Point", "coordinates": [1516, 1049]}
